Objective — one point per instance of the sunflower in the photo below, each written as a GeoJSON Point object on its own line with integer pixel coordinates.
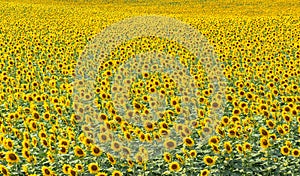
{"type": "Point", "coordinates": [280, 130]}
{"type": "Point", "coordinates": [45, 143]}
{"type": "Point", "coordinates": [63, 149]}
{"type": "Point", "coordinates": [194, 123]}
{"type": "Point", "coordinates": [33, 125]}
{"type": "Point", "coordinates": [2, 155]}
{"type": "Point", "coordinates": [116, 173]}
{"type": "Point", "coordinates": [8, 144]}
{"type": "Point", "coordinates": [193, 153]}
{"type": "Point", "coordinates": [208, 160]}
{"type": "Point", "coordinates": [232, 132]}
{"type": "Point", "coordinates": [50, 157]}
{"type": "Point", "coordinates": [4, 170]}
{"type": "Point", "coordinates": [103, 117]}
{"type": "Point", "coordinates": [285, 150]}
{"type": "Point", "coordinates": [235, 119]}
{"type": "Point", "coordinates": [239, 148]}
{"type": "Point", "coordinates": [96, 151]}
{"type": "Point", "coordinates": [271, 124]}
{"type": "Point", "coordinates": [137, 106]}
{"type": "Point", "coordinates": [79, 151]}
{"type": "Point", "coordinates": [79, 167]}
{"type": "Point", "coordinates": [103, 137]}
{"type": "Point", "coordinates": [220, 131]}
{"type": "Point", "coordinates": [142, 136]}
{"type": "Point", "coordinates": [72, 172]}
{"type": "Point", "coordinates": [178, 109]}
{"type": "Point", "coordinates": [111, 159]}
{"type": "Point", "coordinates": [236, 111]}
{"type": "Point", "coordinates": [148, 125]}
{"type": "Point", "coordinates": [26, 154]}
{"type": "Point", "coordinates": [228, 147]}
{"type": "Point", "coordinates": [46, 171]}
{"type": "Point", "coordinates": [93, 168]}
{"type": "Point", "coordinates": [164, 132]}
{"type": "Point", "coordinates": [174, 166]}
{"type": "Point", "coordinates": [118, 119]}
{"type": "Point", "coordinates": [130, 163]}
{"type": "Point", "coordinates": [125, 151]}
{"type": "Point", "coordinates": [127, 136]}
{"type": "Point", "coordinates": [295, 153]}
{"type": "Point", "coordinates": [225, 120]}
{"type": "Point", "coordinates": [101, 174]}
{"type": "Point", "coordinates": [170, 144]}
{"type": "Point", "coordinates": [286, 128]}
{"type": "Point", "coordinates": [64, 142]}
{"type": "Point", "coordinates": [164, 125]}
{"type": "Point", "coordinates": [204, 172]}
{"type": "Point", "coordinates": [215, 148]}
{"type": "Point", "coordinates": [139, 158]}
{"type": "Point", "coordinates": [66, 168]}
{"type": "Point", "coordinates": [287, 118]}
{"type": "Point", "coordinates": [174, 101]}
{"type": "Point", "coordinates": [11, 157]}
{"type": "Point", "coordinates": [188, 141]}
{"type": "Point", "coordinates": [288, 143]}
{"type": "Point", "coordinates": [263, 132]}
{"type": "Point", "coordinates": [264, 142]}
{"type": "Point", "coordinates": [116, 146]}
{"type": "Point", "coordinates": [247, 146]}
{"type": "Point", "coordinates": [167, 157]}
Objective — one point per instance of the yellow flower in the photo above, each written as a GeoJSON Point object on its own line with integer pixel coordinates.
{"type": "Point", "coordinates": [8, 144]}
{"type": "Point", "coordinates": [285, 150]}
{"type": "Point", "coordinates": [263, 132]}
{"type": "Point", "coordinates": [174, 166]}
{"type": "Point", "coordinates": [111, 159]}
{"type": "Point", "coordinates": [116, 173]}
{"type": "Point", "coordinates": [170, 144]}
{"type": "Point", "coordinates": [239, 148]}
{"type": "Point", "coordinates": [11, 157]}
{"type": "Point", "coordinates": [188, 141]}
{"type": "Point", "coordinates": [46, 171]}
{"type": "Point", "coordinates": [96, 151]}
{"type": "Point", "coordinates": [79, 151]}
{"type": "Point", "coordinates": [50, 157]}
{"type": "Point", "coordinates": [149, 126]}
{"type": "Point", "coordinates": [93, 168]}
{"type": "Point", "coordinates": [271, 124]}
{"type": "Point", "coordinates": [208, 160]}
{"type": "Point", "coordinates": [101, 174]}
{"type": "Point", "coordinates": [26, 154]}
{"type": "Point", "coordinates": [66, 168]}
{"type": "Point", "coordinates": [213, 140]}
{"type": "Point", "coordinates": [247, 146]}
{"type": "Point", "coordinates": [167, 157]}
{"type": "Point", "coordinates": [116, 146]}
{"type": "Point", "coordinates": [295, 153]}
{"type": "Point", "coordinates": [228, 147]}
{"type": "Point", "coordinates": [4, 170]}
{"type": "Point", "coordinates": [63, 149]}
{"type": "Point", "coordinates": [204, 172]}
{"type": "Point", "coordinates": [79, 167]}
{"type": "Point", "coordinates": [264, 142]}
{"type": "Point", "coordinates": [193, 153]}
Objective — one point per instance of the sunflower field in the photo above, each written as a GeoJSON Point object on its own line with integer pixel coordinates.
{"type": "Point", "coordinates": [150, 106]}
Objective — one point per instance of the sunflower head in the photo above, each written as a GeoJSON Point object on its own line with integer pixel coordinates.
{"type": "Point", "coordinates": [174, 166]}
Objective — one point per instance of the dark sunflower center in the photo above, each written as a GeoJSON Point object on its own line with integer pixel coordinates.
{"type": "Point", "coordinates": [12, 156]}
